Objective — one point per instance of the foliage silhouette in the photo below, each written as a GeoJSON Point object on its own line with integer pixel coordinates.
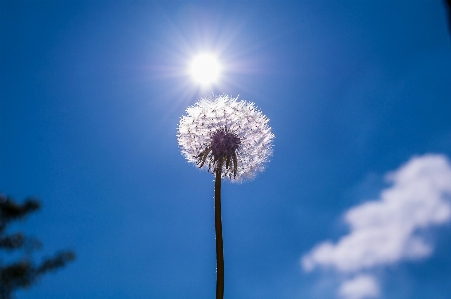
{"type": "Point", "coordinates": [448, 5]}
{"type": "Point", "coordinates": [23, 273]}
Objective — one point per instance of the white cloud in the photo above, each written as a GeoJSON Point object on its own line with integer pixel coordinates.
{"type": "Point", "coordinates": [360, 287]}
{"type": "Point", "coordinates": [388, 230]}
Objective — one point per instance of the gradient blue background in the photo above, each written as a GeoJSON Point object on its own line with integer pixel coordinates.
{"type": "Point", "coordinates": [90, 97]}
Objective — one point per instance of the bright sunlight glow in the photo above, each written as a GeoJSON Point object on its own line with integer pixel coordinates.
{"type": "Point", "coordinates": [205, 69]}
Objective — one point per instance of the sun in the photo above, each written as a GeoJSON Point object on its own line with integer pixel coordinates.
{"type": "Point", "coordinates": [205, 69]}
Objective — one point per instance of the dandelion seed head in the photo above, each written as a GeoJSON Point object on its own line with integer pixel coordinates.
{"type": "Point", "coordinates": [228, 133]}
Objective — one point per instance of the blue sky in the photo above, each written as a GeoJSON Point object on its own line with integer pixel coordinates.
{"type": "Point", "coordinates": [358, 96]}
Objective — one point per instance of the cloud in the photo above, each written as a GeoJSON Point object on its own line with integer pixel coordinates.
{"type": "Point", "coordinates": [362, 286]}
{"type": "Point", "coordinates": [390, 229]}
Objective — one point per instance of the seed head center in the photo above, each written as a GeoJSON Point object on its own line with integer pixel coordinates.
{"type": "Point", "coordinates": [224, 144]}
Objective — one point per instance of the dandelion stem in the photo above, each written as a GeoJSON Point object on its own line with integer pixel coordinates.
{"type": "Point", "coordinates": [218, 230]}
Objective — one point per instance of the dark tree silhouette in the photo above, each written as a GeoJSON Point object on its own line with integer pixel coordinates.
{"type": "Point", "coordinates": [448, 6]}
{"type": "Point", "coordinates": [23, 273]}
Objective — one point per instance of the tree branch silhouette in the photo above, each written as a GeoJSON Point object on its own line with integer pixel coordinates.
{"type": "Point", "coordinates": [448, 5]}
{"type": "Point", "coordinates": [23, 273]}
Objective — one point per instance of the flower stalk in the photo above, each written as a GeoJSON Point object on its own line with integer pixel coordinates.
{"type": "Point", "coordinates": [219, 241]}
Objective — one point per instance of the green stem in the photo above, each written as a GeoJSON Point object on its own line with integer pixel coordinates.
{"type": "Point", "coordinates": [219, 243]}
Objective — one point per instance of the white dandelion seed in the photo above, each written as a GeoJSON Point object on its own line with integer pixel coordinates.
{"type": "Point", "coordinates": [227, 133]}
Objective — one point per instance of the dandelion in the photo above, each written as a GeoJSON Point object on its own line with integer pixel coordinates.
{"type": "Point", "coordinates": [227, 134]}
{"type": "Point", "coordinates": [232, 140]}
